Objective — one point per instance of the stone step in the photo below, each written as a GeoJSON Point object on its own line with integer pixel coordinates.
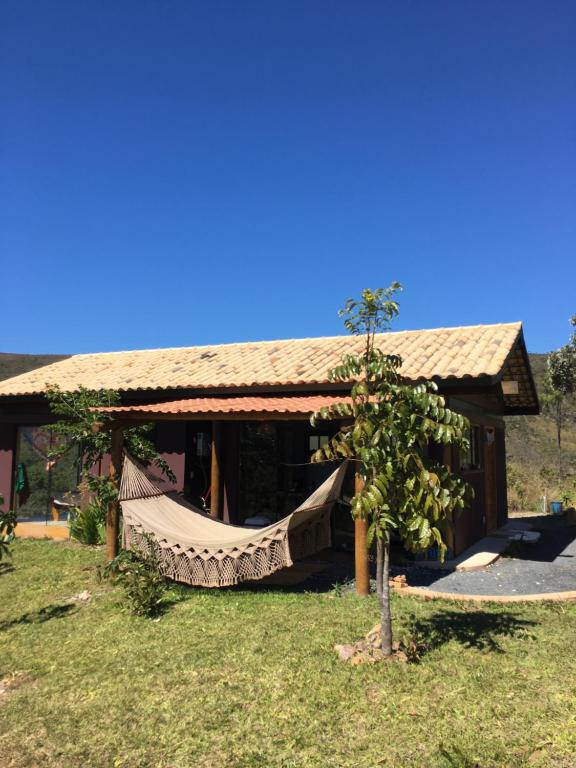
{"type": "Point", "coordinates": [485, 553]}
{"type": "Point", "coordinates": [526, 537]}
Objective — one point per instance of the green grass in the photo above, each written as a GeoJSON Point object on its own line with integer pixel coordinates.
{"type": "Point", "coordinates": [243, 678]}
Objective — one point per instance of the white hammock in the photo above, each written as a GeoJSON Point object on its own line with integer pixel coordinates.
{"type": "Point", "coordinates": [197, 549]}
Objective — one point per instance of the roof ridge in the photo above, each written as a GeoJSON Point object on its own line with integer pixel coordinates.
{"type": "Point", "coordinates": [290, 340]}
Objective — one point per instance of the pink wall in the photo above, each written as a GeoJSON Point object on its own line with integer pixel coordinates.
{"type": "Point", "coordinates": [171, 444]}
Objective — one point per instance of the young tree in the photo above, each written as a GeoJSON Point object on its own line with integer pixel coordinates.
{"type": "Point", "coordinates": [392, 422]}
{"type": "Point", "coordinates": [80, 429]}
{"type": "Point", "coordinates": [80, 422]}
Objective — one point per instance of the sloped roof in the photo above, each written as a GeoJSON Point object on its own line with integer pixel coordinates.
{"type": "Point", "coordinates": [249, 406]}
{"type": "Point", "coordinates": [445, 353]}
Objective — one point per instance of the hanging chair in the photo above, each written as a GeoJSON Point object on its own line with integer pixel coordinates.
{"type": "Point", "coordinates": [197, 549]}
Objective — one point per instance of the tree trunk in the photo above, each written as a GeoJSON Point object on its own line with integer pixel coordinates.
{"type": "Point", "coordinates": [379, 565]}
{"type": "Point", "coordinates": [114, 473]}
{"type": "Point", "coordinates": [559, 439]}
{"type": "Point", "coordinates": [385, 615]}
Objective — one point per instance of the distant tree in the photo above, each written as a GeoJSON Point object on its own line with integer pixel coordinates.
{"type": "Point", "coordinates": [405, 493]}
{"type": "Point", "coordinates": [559, 390]}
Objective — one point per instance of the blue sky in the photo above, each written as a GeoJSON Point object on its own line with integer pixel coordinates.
{"type": "Point", "coordinates": [177, 172]}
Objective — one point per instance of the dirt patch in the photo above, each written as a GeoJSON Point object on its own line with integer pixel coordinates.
{"type": "Point", "coordinates": [369, 650]}
{"type": "Point", "coordinates": [12, 682]}
{"type": "Point", "coordinates": [82, 598]}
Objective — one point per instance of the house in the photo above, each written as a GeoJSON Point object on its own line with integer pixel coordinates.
{"type": "Point", "coordinates": [232, 420]}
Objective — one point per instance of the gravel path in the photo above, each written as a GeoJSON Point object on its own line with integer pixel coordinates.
{"type": "Point", "coordinates": [548, 566]}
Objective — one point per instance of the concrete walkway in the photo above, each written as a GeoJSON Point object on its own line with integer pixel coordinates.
{"type": "Point", "coordinates": [488, 550]}
{"type": "Point", "coordinates": [547, 567]}
{"type": "Point", "coordinates": [27, 529]}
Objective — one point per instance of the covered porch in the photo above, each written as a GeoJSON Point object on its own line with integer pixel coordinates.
{"type": "Point", "coordinates": [245, 460]}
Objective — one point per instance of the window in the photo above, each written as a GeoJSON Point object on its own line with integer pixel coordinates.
{"type": "Point", "coordinates": [39, 478]}
{"type": "Point", "coordinates": [471, 459]}
{"type": "Point", "coordinates": [202, 441]}
{"type": "Point", "coordinates": [317, 441]}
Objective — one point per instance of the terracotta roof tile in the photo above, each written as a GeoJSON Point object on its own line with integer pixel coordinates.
{"type": "Point", "coordinates": [445, 353]}
{"type": "Point", "coordinates": [285, 404]}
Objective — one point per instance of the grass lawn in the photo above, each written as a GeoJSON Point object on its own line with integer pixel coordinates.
{"type": "Point", "coordinates": [243, 678]}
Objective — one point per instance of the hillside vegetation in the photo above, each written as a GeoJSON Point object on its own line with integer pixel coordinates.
{"type": "Point", "coordinates": [533, 453]}
{"type": "Point", "coordinates": [531, 440]}
{"type": "Point", "coordinates": [12, 364]}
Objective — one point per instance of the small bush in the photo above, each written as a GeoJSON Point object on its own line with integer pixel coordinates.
{"type": "Point", "coordinates": [87, 525]}
{"type": "Point", "coordinates": [7, 525]}
{"type": "Point", "coordinates": [138, 573]}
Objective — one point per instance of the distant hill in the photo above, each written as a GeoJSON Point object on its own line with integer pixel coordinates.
{"type": "Point", "coordinates": [12, 364]}
{"type": "Point", "coordinates": [531, 447]}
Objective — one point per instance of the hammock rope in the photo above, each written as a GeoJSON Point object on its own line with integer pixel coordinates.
{"type": "Point", "coordinates": [194, 548]}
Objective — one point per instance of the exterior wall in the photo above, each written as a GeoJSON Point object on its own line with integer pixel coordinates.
{"type": "Point", "coordinates": [101, 467]}
{"type": "Point", "coordinates": [170, 441]}
{"type": "Point", "coordinates": [488, 482]}
{"type": "Point", "coordinates": [470, 525]}
{"type": "Point", "coordinates": [8, 434]}
{"type": "Point", "coordinates": [171, 444]}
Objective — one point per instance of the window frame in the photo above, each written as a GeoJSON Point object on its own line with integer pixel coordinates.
{"type": "Point", "coordinates": [472, 460]}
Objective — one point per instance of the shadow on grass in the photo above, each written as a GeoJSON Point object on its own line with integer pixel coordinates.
{"type": "Point", "coordinates": [286, 581]}
{"type": "Point", "coordinates": [177, 593]}
{"type": "Point", "coordinates": [453, 757]}
{"type": "Point", "coordinates": [6, 568]}
{"type": "Point", "coordinates": [480, 630]}
{"type": "Point", "coordinates": [39, 617]}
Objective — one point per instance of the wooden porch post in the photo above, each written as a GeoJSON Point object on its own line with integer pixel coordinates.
{"type": "Point", "coordinates": [490, 482]}
{"type": "Point", "coordinates": [8, 450]}
{"type": "Point", "coordinates": [449, 526]}
{"type": "Point", "coordinates": [215, 470]}
{"type": "Point", "coordinates": [362, 572]}
{"type": "Point", "coordinates": [113, 515]}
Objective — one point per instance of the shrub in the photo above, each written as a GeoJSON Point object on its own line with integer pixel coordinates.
{"type": "Point", "coordinates": [517, 494]}
{"type": "Point", "coordinates": [87, 525]}
{"type": "Point", "coordinates": [138, 573]}
{"type": "Point", "coordinates": [7, 525]}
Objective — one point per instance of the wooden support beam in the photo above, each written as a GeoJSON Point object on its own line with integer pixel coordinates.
{"type": "Point", "coordinates": [490, 480]}
{"type": "Point", "coordinates": [8, 462]}
{"type": "Point", "coordinates": [362, 570]}
{"type": "Point", "coordinates": [215, 503]}
{"type": "Point", "coordinates": [448, 528]}
{"type": "Point", "coordinates": [115, 472]}
{"type": "Point", "coordinates": [448, 456]}
{"type": "Point", "coordinates": [148, 417]}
